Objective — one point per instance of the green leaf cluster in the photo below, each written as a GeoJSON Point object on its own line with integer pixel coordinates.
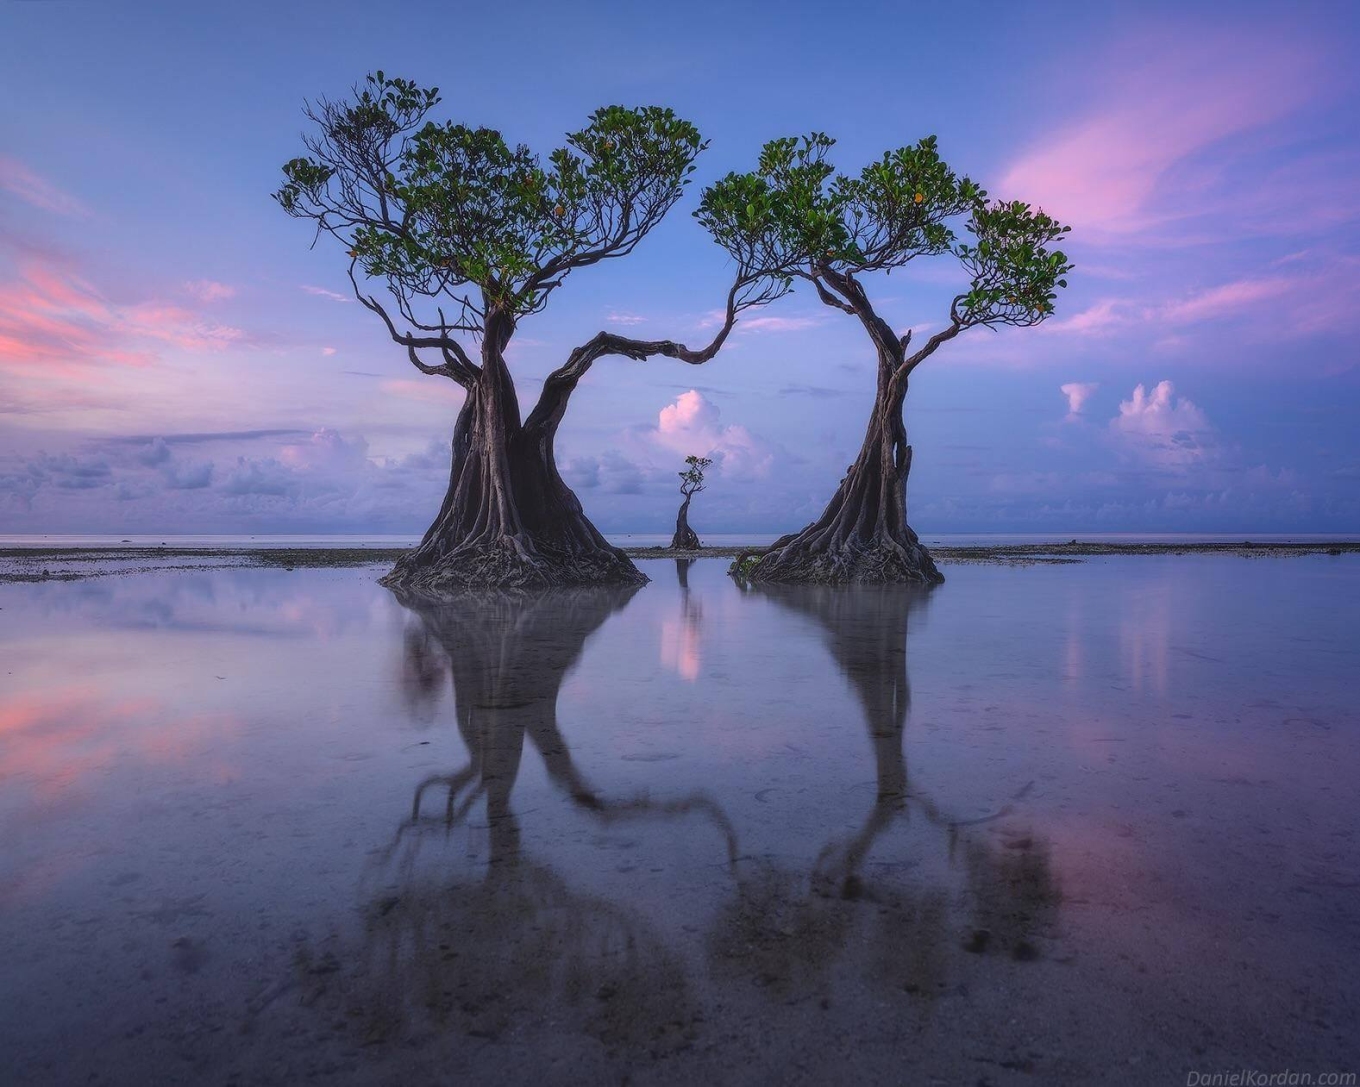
{"type": "Point", "coordinates": [780, 214]}
{"type": "Point", "coordinates": [1015, 274]}
{"type": "Point", "coordinates": [440, 208]}
{"type": "Point", "coordinates": [444, 209]}
{"type": "Point", "coordinates": [692, 478]}
{"type": "Point", "coordinates": [796, 212]}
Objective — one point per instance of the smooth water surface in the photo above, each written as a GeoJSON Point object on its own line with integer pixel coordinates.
{"type": "Point", "coordinates": [1078, 823]}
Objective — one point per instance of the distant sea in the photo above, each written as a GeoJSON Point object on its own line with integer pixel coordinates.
{"type": "Point", "coordinates": [653, 539]}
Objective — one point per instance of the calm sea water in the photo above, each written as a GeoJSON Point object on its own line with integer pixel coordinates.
{"type": "Point", "coordinates": [1077, 824]}
{"type": "Point", "coordinates": [646, 539]}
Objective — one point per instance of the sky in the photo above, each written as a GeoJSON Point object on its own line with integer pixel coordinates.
{"type": "Point", "coordinates": [176, 357]}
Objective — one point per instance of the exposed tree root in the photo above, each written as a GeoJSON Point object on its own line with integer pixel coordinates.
{"type": "Point", "coordinates": [508, 520]}
{"type": "Point", "coordinates": [877, 560]}
{"type": "Point", "coordinates": [686, 540]}
{"type": "Point", "coordinates": [510, 563]}
{"type": "Point", "coordinates": [862, 536]}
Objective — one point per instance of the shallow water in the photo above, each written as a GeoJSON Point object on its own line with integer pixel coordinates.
{"type": "Point", "coordinates": [1086, 823]}
{"type": "Point", "coordinates": [633, 539]}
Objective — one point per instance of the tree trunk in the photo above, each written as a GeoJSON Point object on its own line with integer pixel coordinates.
{"type": "Point", "coordinates": [508, 519]}
{"type": "Point", "coordinates": [863, 535]}
{"type": "Point", "coordinates": [685, 538]}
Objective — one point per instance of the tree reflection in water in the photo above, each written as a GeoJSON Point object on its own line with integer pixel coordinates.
{"type": "Point", "coordinates": [516, 940]}
{"type": "Point", "coordinates": [508, 943]}
{"type": "Point", "coordinates": [787, 931]}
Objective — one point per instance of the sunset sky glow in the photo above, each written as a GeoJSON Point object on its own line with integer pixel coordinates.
{"type": "Point", "coordinates": [175, 358]}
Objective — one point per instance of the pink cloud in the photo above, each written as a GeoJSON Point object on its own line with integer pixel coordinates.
{"type": "Point", "coordinates": [54, 327]}
{"type": "Point", "coordinates": [693, 425]}
{"type": "Point", "coordinates": [1126, 166]}
{"type": "Point", "coordinates": [1097, 319]}
{"type": "Point", "coordinates": [179, 327]}
{"type": "Point", "coordinates": [18, 179]}
{"type": "Point", "coordinates": [649, 456]}
{"type": "Point", "coordinates": [1321, 297]}
{"type": "Point", "coordinates": [691, 413]}
{"type": "Point", "coordinates": [54, 322]}
{"type": "Point", "coordinates": [1324, 298]}
{"type": "Point", "coordinates": [1225, 300]}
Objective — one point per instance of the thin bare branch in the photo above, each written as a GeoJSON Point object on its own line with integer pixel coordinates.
{"type": "Point", "coordinates": [457, 365]}
{"type": "Point", "coordinates": [562, 381]}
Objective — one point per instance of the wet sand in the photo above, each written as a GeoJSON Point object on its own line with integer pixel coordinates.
{"type": "Point", "coordinates": [18, 564]}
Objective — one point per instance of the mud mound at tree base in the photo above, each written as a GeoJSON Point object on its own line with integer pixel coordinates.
{"type": "Point", "coordinates": [497, 565]}
{"type": "Point", "coordinates": [873, 563]}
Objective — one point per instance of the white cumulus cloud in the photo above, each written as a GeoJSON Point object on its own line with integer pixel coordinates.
{"type": "Point", "coordinates": [1077, 393]}
{"type": "Point", "coordinates": [1163, 429]}
{"type": "Point", "coordinates": [693, 425]}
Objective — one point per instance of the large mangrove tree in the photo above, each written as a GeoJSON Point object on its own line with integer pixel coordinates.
{"type": "Point", "coordinates": [470, 235]}
{"type": "Point", "coordinates": [833, 231]}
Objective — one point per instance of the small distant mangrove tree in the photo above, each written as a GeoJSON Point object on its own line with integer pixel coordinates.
{"type": "Point", "coordinates": [469, 235]}
{"type": "Point", "coordinates": [691, 483]}
{"type": "Point", "coordinates": [833, 231]}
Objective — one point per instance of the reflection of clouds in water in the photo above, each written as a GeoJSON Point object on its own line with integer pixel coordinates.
{"type": "Point", "coordinates": [681, 639]}
{"type": "Point", "coordinates": [52, 740]}
{"type": "Point", "coordinates": [248, 602]}
{"type": "Point", "coordinates": [137, 690]}
{"type": "Point", "coordinates": [63, 748]}
{"type": "Point", "coordinates": [1145, 637]}
{"type": "Point", "coordinates": [680, 646]}
{"type": "Point", "coordinates": [49, 740]}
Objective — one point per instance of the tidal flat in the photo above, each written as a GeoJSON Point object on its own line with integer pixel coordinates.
{"type": "Point", "coordinates": [1058, 822]}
